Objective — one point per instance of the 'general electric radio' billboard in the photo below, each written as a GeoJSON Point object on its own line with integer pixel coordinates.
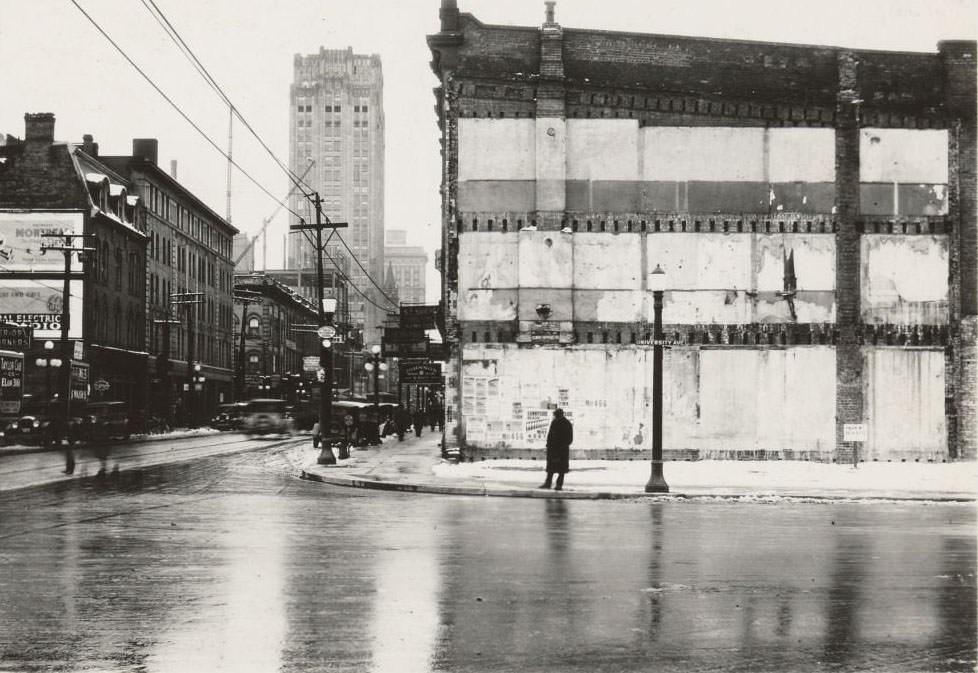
{"type": "Point", "coordinates": [31, 302]}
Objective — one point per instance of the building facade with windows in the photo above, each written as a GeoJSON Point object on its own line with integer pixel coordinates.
{"type": "Point", "coordinates": [407, 264]}
{"type": "Point", "coordinates": [336, 135]}
{"type": "Point", "coordinates": [49, 187]}
{"type": "Point", "coordinates": [272, 343]}
{"type": "Point", "coordinates": [813, 209]}
{"type": "Point", "coordinates": [188, 259]}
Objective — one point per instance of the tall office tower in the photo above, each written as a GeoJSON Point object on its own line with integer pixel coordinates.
{"type": "Point", "coordinates": [337, 141]}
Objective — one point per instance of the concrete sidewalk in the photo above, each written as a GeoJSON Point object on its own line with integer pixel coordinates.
{"type": "Point", "coordinates": [416, 465]}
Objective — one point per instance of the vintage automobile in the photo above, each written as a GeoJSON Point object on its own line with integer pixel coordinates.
{"type": "Point", "coordinates": [266, 416]}
{"type": "Point", "coordinates": [228, 416]}
{"type": "Point", "coordinates": [103, 421]}
{"type": "Point", "coordinates": [37, 424]}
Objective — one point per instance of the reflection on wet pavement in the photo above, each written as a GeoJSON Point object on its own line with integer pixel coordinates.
{"type": "Point", "coordinates": [222, 565]}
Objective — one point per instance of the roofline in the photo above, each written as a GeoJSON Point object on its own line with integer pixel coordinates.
{"type": "Point", "coordinates": [701, 38]}
{"type": "Point", "coordinates": [150, 167]}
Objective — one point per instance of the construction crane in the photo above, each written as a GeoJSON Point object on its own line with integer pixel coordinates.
{"type": "Point", "coordinates": [266, 221]}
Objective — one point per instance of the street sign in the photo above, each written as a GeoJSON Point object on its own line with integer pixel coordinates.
{"type": "Point", "coordinates": [854, 432]}
{"type": "Point", "coordinates": [418, 317]}
{"type": "Point", "coordinates": [310, 363]}
{"type": "Point", "coordinates": [326, 331]}
{"type": "Point", "coordinates": [424, 373]}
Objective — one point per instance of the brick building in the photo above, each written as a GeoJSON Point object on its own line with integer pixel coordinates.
{"type": "Point", "coordinates": [272, 347]}
{"type": "Point", "coordinates": [48, 187]}
{"type": "Point", "coordinates": [813, 209]}
{"type": "Point", "coordinates": [189, 251]}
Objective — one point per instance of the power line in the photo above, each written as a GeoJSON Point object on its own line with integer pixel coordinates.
{"type": "Point", "coordinates": [369, 277]}
{"type": "Point", "coordinates": [182, 45]}
{"type": "Point", "coordinates": [340, 272]}
{"type": "Point", "coordinates": [177, 107]}
{"type": "Point", "coordinates": [185, 49]}
{"type": "Point", "coordinates": [189, 54]}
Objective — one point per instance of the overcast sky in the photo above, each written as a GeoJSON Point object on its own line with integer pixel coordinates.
{"type": "Point", "coordinates": [53, 60]}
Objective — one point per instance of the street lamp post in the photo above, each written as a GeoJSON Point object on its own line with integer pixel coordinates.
{"type": "Point", "coordinates": [657, 482]}
{"type": "Point", "coordinates": [376, 365]}
{"type": "Point", "coordinates": [48, 363]}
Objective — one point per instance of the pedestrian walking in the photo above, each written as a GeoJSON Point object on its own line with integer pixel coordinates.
{"type": "Point", "coordinates": [418, 420]}
{"type": "Point", "coordinates": [559, 438]}
{"type": "Point", "coordinates": [401, 421]}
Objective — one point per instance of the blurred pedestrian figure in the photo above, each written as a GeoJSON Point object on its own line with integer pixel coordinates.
{"type": "Point", "coordinates": [316, 437]}
{"type": "Point", "coordinates": [418, 420]}
{"type": "Point", "coordinates": [351, 429]}
{"type": "Point", "coordinates": [401, 421]}
{"type": "Point", "coordinates": [559, 438]}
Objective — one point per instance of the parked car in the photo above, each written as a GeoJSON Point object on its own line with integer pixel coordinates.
{"type": "Point", "coordinates": [266, 416]}
{"type": "Point", "coordinates": [38, 424]}
{"type": "Point", "coordinates": [228, 416]}
{"type": "Point", "coordinates": [106, 420]}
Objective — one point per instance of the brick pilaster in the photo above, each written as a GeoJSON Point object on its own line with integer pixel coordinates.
{"type": "Point", "coordinates": [958, 62]}
{"type": "Point", "coordinates": [848, 363]}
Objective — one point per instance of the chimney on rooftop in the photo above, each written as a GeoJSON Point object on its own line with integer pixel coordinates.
{"type": "Point", "coordinates": [145, 149]}
{"type": "Point", "coordinates": [89, 146]}
{"type": "Point", "coordinates": [449, 16]}
{"type": "Point", "coordinates": [39, 126]}
{"type": "Point", "coordinates": [550, 12]}
{"type": "Point", "coordinates": [173, 168]}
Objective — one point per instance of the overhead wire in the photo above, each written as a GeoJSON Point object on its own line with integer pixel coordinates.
{"type": "Point", "coordinates": [176, 107]}
{"type": "Point", "coordinates": [177, 39]}
{"type": "Point", "coordinates": [188, 53]}
{"type": "Point", "coordinates": [185, 49]}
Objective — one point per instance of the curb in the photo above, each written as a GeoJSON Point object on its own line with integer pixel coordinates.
{"type": "Point", "coordinates": [134, 439]}
{"type": "Point", "coordinates": [379, 485]}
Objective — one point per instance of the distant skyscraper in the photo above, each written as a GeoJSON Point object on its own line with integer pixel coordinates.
{"type": "Point", "coordinates": [336, 133]}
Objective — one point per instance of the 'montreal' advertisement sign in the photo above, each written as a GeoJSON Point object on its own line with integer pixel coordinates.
{"type": "Point", "coordinates": [23, 237]}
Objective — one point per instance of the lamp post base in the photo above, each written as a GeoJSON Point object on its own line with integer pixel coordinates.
{"type": "Point", "coordinates": [657, 483]}
{"type": "Point", "coordinates": [326, 456]}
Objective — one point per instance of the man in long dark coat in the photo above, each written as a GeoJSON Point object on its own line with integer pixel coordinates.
{"type": "Point", "coordinates": [559, 438]}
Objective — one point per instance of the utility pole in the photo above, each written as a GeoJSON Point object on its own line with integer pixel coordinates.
{"type": "Point", "coordinates": [244, 297]}
{"type": "Point", "coordinates": [66, 248]}
{"type": "Point", "coordinates": [325, 351]}
{"type": "Point", "coordinates": [164, 364]}
{"type": "Point", "coordinates": [189, 299]}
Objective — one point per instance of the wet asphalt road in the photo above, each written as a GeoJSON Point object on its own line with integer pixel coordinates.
{"type": "Point", "coordinates": [231, 564]}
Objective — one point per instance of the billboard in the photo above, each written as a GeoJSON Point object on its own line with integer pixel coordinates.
{"type": "Point", "coordinates": [37, 304]}
{"type": "Point", "coordinates": [23, 235]}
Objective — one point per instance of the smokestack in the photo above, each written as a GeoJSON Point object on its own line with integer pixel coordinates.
{"type": "Point", "coordinates": [145, 149]}
{"type": "Point", "coordinates": [39, 126]}
{"type": "Point", "coordinates": [173, 168]}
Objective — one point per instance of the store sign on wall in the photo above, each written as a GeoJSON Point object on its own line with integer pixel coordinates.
{"type": "Point", "coordinates": [16, 337]}
{"type": "Point", "coordinates": [426, 373]}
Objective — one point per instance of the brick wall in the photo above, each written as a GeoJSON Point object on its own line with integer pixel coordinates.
{"type": "Point", "coordinates": [683, 81]}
